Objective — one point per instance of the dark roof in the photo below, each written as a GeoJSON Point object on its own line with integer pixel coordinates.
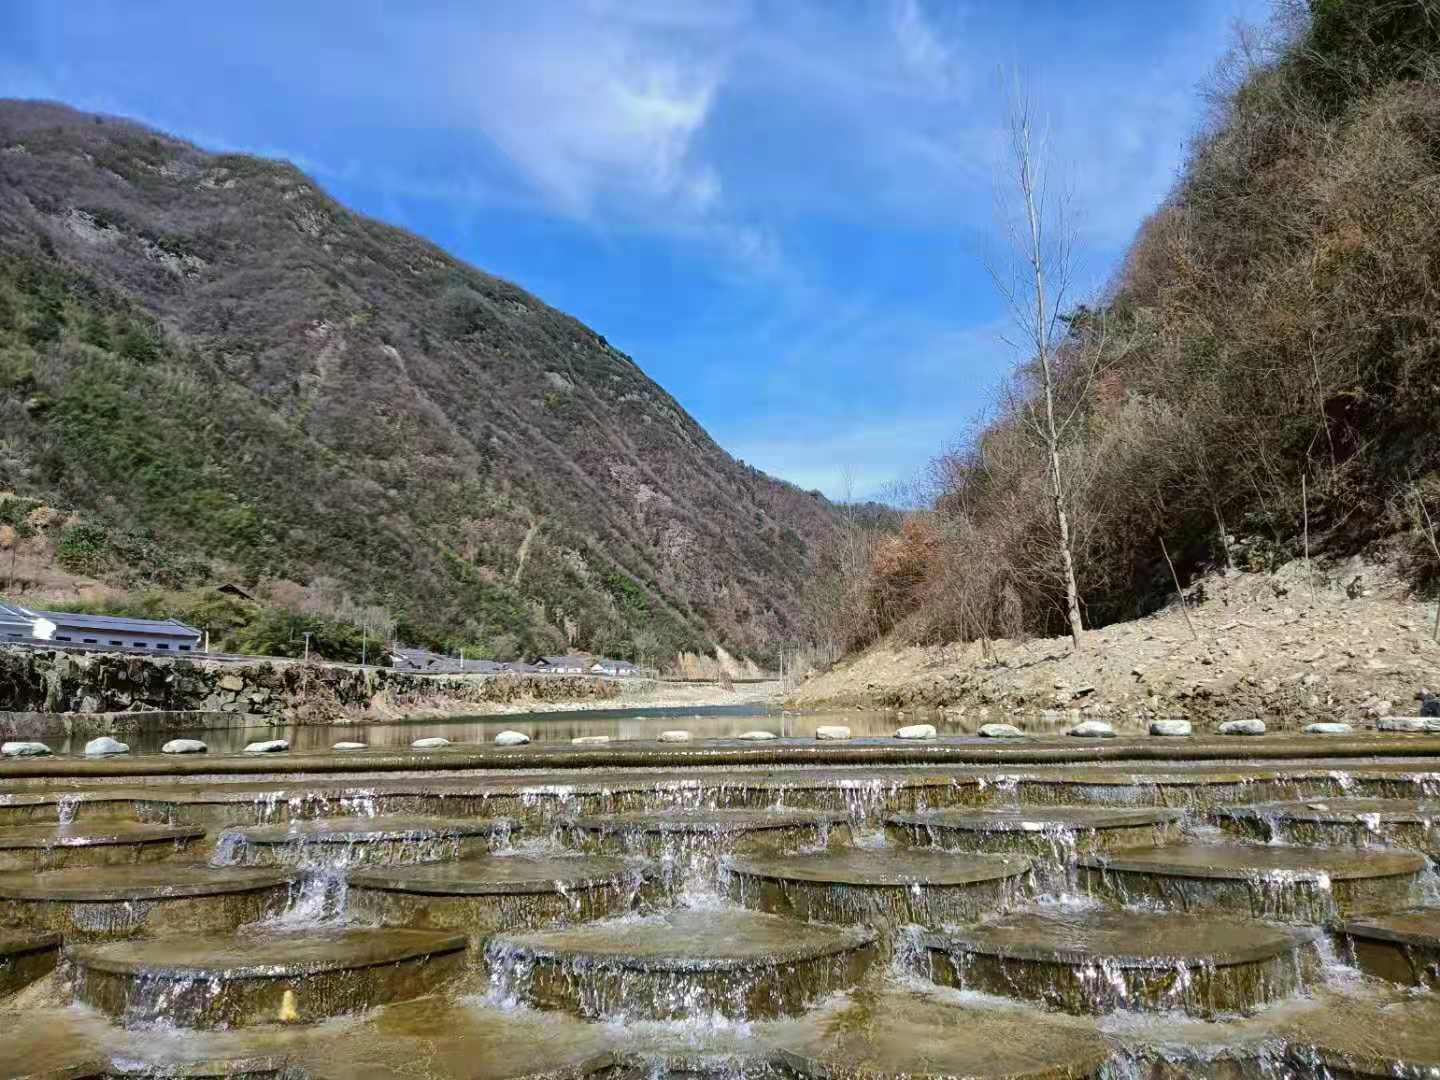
{"type": "Point", "coordinates": [70, 619]}
{"type": "Point", "coordinates": [565, 661]}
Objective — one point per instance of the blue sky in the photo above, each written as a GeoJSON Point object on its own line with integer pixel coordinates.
{"type": "Point", "coordinates": [780, 208]}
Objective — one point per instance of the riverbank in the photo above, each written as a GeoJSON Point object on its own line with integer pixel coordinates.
{"type": "Point", "coordinates": [1348, 643]}
{"type": "Point", "coordinates": [632, 695]}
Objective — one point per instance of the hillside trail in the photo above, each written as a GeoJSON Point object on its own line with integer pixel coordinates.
{"type": "Point", "coordinates": [1348, 641]}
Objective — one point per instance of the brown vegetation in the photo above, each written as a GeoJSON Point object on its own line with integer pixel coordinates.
{"type": "Point", "coordinates": [1268, 364]}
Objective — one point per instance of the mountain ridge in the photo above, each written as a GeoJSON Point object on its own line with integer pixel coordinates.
{"type": "Point", "coordinates": [209, 353]}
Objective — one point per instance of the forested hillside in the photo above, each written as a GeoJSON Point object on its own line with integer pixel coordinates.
{"type": "Point", "coordinates": [1262, 374]}
{"type": "Point", "coordinates": [211, 371]}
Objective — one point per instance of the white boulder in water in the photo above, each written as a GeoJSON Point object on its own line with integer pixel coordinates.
{"type": "Point", "coordinates": [184, 746]}
{"type": "Point", "coordinates": [1093, 729]}
{"type": "Point", "coordinates": [1000, 731]}
{"type": "Point", "coordinates": [511, 738]}
{"type": "Point", "coordinates": [674, 736]}
{"type": "Point", "coordinates": [1404, 723]}
{"type": "Point", "coordinates": [916, 731]}
{"type": "Point", "coordinates": [1170, 728]}
{"type": "Point", "coordinates": [104, 746]}
{"type": "Point", "coordinates": [345, 746]}
{"type": "Point", "coordinates": [590, 740]}
{"type": "Point", "coordinates": [433, 743]}
{"type": "Point", "coordinates": [269, 746]}
{"type": "Point", "coordinates": [1242, 727]}
{"type": "Point", "coordinates": [24, 749]}
{"type": "Point", "coordinates": [832, 731]}
{"type": "Point", "coordinates": [758, 736]}
{"type": "Point", "coordinates": [1328, 729]}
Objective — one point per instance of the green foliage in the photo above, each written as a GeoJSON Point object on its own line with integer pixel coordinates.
{"type": "Point", "coordinates": [84, 549]}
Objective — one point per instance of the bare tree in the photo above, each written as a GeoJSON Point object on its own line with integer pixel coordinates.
{"type": "Point", "coordinates": [1035, 281]}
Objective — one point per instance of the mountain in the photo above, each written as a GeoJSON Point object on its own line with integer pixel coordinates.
{"type": "Point", "coordinates": [224, 374]}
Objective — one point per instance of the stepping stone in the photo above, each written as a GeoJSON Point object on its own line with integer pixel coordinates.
{"type": "Point", "coordinates": [105, 746]}
{"type": "Point", "coordinates": [1412, 823]}
{"type": "Point", "coordinates": [758, 736]}
{"type": "Point", "coordinates": [24, 957]}
{"type": "Point", "coordinates": [24, 749]}
{"type": "Point", "coordinates": [832, 732]}
{"type": "Point", "coordinates": [1403, 948]}
{"type": "Point", "coordinates": [901, 1034]}
{"type": "Point", "coordinates": [184, 746]}
{"type": "Point", "coordinates": [1093, 729]}
{"type": "Point", "coordinates": [429, 744]}
{"type": "Point", "coordinates": [87, 843]}
{"type": "Point", "coordinates": [104, 902]}
{"type": "Point", "coordinates": [356, 841]}
{"type": "Point", "coordinates": [741, 965]}
{"type": "Point", "coordinates": [503, 892]}
{"type": "Point", "coordinates": [268, 746]}
{"type": "Point", "coordinates": [590, 740]}
{"type": "Point", "coordinates": [1328, 729]}
{"type": "Point", "coordinates": [1290, 884]}
{"type": "Point", "coordinates": [1000, 731]}
{"type": "Point", "coordinates": [1170, 729]}
{"type": "Point", "coordinates": [674, 736]}
{"type": "Point", "coordinates": [888, 886]}
{"type": "Point", "coordinates": [1052, 833]}
{"type": "Point", "coordinates": [1089, 960]}
{"type": "Point", "coordinates": [1242, 727]}
{"type": "Point", "coordinates": [346, 747]}
{"type": "Point", "coordinates": [916, 731]}
{"type": "Point", "coordinates": [511, 738]}
{"type": "Point", "coordinates": [238, 980]}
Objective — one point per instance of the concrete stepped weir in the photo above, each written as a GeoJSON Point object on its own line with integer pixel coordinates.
{"type": "Point", "coordinates": [331, 843]}
{"type": "Point", "coordinates": [107, 902]}
{"type": "Point", "coordinates": [878, 886]}
{"type": "Point", "coordinates": [236, 980]}
{"type": "Point", "coordinates": [687, 845]}
{"type": "Point", "coordinates": [1090, 960]}
{"type": "Point", "coordinates": [1403, 947]}
{"type": "Point", "coordinates": [692, 909]}
{"type": "Point", "coordinates": [498, 893]}
{"type": "Point", "coordinates": [683, 963]}
{"type": "Point", "coordinates": [913, 1033]}
{"type": "Point", "coordinates": [1411, 823]}
{"type": "Point", "coordinates": [1268, 881]}
{"type": "Point", "coordinates": [92, 843]}
{"type": "Point", "coordinates": [1054, 833]}
{"type": "Point", "coordinates": [25, 957]}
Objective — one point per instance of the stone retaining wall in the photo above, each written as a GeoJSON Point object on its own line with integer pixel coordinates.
{"type": "Point", "coordinates": [44, 681]}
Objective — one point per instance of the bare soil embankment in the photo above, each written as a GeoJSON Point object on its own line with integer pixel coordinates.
{"type": "Point", "coordinates": [1356, 646]}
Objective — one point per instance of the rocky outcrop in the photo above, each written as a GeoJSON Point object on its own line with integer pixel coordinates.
{"type": "Point", "coordinates": [55, 682]}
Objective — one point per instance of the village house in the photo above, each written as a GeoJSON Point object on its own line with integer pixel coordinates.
{"type": "Point", "coordinates": [33, 626]}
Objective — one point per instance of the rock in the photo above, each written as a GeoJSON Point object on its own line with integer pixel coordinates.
{"type": "Point", "coordinates": [1093, 729]}
{"type": "Point", "coordinates": [1000, 731]}
{"type": "Point", "coordinates": [1242, 727]}
{"type": "Point", "coordinates": [1328, 729]}
{"type": "Point", "coordinates": [1430, 708]}
{"type": "Point", "coordinates": [105, 745]}
{"type": "Point", "coordinates": [590, 740]}
{"type": "Point", "coordinates": [1404, 723]}
{"type": "Point", "coordinates": [1170, 728]}
{"type": "Point", "coordinates": [344, 746]}
{"type": "Point", "coordinates": [916, 731]}
{"type": "Point", "coordinates": [24, 749]}
{"type": "Point", "coordinates": [674, 736]}
{"type": "Point", "coordinates": [184, 746]}
{"type": "Point", "coordinates": [832, 731]}
{"type": "Point", "coordinates": [511, 738]}
{"type": "Point", "coordinates": [758, 736]}
{"type": "Point", "coordinates": [269, 746]}
{"type": "Point", "coordinates": [429, 744]}
{"type": "Point", "coordinates": [232, 683]}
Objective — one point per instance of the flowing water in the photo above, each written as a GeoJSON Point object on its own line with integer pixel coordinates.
{"type": "Point", "coordinates": [1115, 922]}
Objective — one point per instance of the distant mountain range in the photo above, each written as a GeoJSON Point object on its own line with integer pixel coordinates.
{"type": "Point", "coordinates": [228, 375]}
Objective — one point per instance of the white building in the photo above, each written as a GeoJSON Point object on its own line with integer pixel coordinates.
{"type": "Point", "coordinates": [32, 626]}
